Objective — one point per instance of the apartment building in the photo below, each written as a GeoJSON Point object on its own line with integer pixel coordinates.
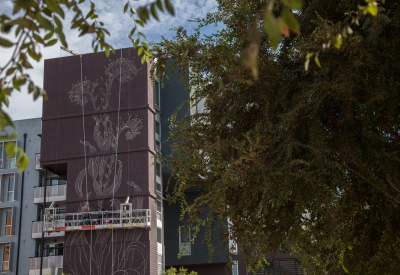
{"type": "Point", "coordinates": [18, 211]}
{"type": "Point", "coordinates": [101, 188]}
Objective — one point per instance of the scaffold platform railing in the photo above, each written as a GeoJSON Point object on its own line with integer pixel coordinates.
{"type": "Point", "coordinates": [126, 217]}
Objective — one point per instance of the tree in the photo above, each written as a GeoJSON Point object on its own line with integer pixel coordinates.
{"type": "Point", "coordinates": [306, 157]}
{"type": "Point", "coordinates": [37, 24]}
{"type": "Point", "coordinates": [181, 271]}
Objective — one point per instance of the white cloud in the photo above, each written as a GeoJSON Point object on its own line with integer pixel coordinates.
{"type": "Point", "coordinates": [118, 24]}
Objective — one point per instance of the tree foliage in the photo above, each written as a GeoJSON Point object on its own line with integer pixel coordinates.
{"type": "Point", "coordinates": [306, 157]}
{"type": "Point", "coordinates": [37, 24]}
{"type": "Point", "coordinates": [181, 271]}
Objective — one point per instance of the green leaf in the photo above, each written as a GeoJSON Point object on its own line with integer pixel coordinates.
{"type": "Point", "coordinates": [11, 149]}
{"type": "Point", "coordinates": [290, 20]}
{"type": "Point", "coordinates": [44, 23]}
{"type": "Point", "coordinates": [22, 161]}
{"type": "Point", "coordinates": [144, 44]}
{"type": "Point", "coordinates": [373, 9]}
{"type": "Point", "coordinates": [54, 7]}
{"type": "Point", "coordinates": [316, 60]}
{"type": "Point", "coordinates": [169, 7]}
{"type": "Point", "coordinates": [38, 38]}
{"type": "Point", "coordinates": [48, 36]}
{"type": "Point", "coordinates": [306, 64]}
{"type": "Point", "coordinates": [272, 29]}
{"type": "Point", "coordinates": [133, 11]}
{"type": "Point", "coordinates": [10, 71]}
{"type": "Point", "coordinates": [7, 91]}
{"type": "Point", "coordinates": [159, 5]}
{"type": "Point", "coordinates": [294, 4]}
{"type": "Point", "coordinates": [5, 43]}
{"type": "Point", "coordinates": [132, 31]}
{"type": "Point", "coordinates": [139, 22]}
{"type": "Point", "coordinates": [144, 14]}
{"type": "Point", "coordinates": [309, 55]}
{"type": "Point", "coordinates": [18, 82]}
{"type": "Point", "coordinates": [136, 43]}
{"type": "Point", "coordinates": [51, 42]}
{"type": "Point", "coordinates": [142, 35]}
{"type": "Point", "coordinates": [126, 7]}
{"type": "Point", "coordinates": [249, 59]}
{"type": "Point", "coordinates": [338, 42]}
{"type": "Point", "coordinates": [140, 50]}
{"type": "Point", "coordinates": [154, 11]}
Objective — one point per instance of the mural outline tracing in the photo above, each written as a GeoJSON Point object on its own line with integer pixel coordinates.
{"type": "Point", "coordinates": [115, 251]}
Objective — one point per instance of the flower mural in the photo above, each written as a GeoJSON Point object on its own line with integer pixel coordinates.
{"type": "Point", "coordinates": [110, 252]}
{"type": "Point", "coordinates": [105, 171]}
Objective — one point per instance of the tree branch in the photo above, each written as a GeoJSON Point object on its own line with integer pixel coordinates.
{"type": "Point", "coordinates": [386, 193]}
{"type": "Point", "coordinates": [391, 182]}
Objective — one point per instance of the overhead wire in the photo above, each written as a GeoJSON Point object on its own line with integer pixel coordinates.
{"type": "Point", "coordinates": [116, 156]}
{"type": "Point", "coordinates": [85, 156]}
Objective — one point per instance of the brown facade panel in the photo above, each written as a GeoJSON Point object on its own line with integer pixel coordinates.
{"type": "Point", "coordinates": [98, 131]}
{"type": "Point", "coordinates": [101, 77]}
{"type": "Point", "coordinates": [121, 251]}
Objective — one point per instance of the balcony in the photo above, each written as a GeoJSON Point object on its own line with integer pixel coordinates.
{"type": "Point", "coordinates": [52, 265]}
{"type": "Point", "coordinates": [126, 217]}
{"type": "Point", "coordinates": [53, 193]}
{"type": "Point", "coordinates": [37, 229]}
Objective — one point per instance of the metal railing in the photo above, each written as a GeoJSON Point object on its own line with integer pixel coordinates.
{"type": "Point", "coordinates": [96, 220]}
{"type": "Point", "coordinates": [49, 264]}
{"type": "Point", "coordinates": [37, 228]}
{"type": "Point", "coordinates": [282, 266]}
{"type": "Point", "coordinates": [53, 193]}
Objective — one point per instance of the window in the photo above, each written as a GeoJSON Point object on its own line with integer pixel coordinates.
{"type": "Point", "coordinates": [158, 178]}
{"type": "Point", "coordinates": [158, 169]}
{"type": "Point", "coordinates": [235, 269]}
{"type": "Point", "coordinates": [158, 145]}
{"type": "Point", "coordinates": [156, 89]}
{"type": "Point", "coordinates": [157, 135]}
{"type": "Point", "coordinates": [6, 258]}
{"type": "Point", "coordinates": [159, 235]}
{"type": "Point", "coordinates": [1, 154]}
{"type": "Point", "coordinates": [184, 241]}
{"type": "Point", "coordinates": [55, 249]}
{"type": "Point", "coordinates": [159, 209]}
{"type": "Point", "coordinates": [10, 189]}
{"type": "Point", "coordinates": [9, 217]}
{"type": "Point", "coordinates": [159, 262]}
{"type": "Point", "coordinates": [158, 129]}
{"type": "Point", "coordinates": [159, 187]}
{"type": "Point", "coordinates": [11, 161]}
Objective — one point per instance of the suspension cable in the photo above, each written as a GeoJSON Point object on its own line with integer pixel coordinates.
{"type": "Point", "coordinates": [116, 156]}
{"type": "Point", "coordinates": [84, 152]}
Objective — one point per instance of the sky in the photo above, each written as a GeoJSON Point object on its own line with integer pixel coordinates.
{"type": "Point", "coordinates": [117, 23]}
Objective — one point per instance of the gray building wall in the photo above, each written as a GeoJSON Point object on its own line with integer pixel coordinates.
{"type": "Point", "coordinates": [32, 127]}
{"type": "Point", "coordinates": [199, 252]}
{"type": "Point", "coordinates": [172, 96]}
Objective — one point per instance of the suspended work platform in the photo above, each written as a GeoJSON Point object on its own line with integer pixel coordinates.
{"type": "Point", "coordinates": [126, 217]}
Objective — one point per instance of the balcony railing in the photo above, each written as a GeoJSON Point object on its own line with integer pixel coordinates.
{"type": "Point", "coordinates": [282, 266]}
{"type": "Point", "coordinates": [124, 218]}
{"type": "Point", "coordinates": [37, 229]}
{"type": "Point", "coordinates": [53, 193]}
{"type": "Point", "coordinates": [51, 265]}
